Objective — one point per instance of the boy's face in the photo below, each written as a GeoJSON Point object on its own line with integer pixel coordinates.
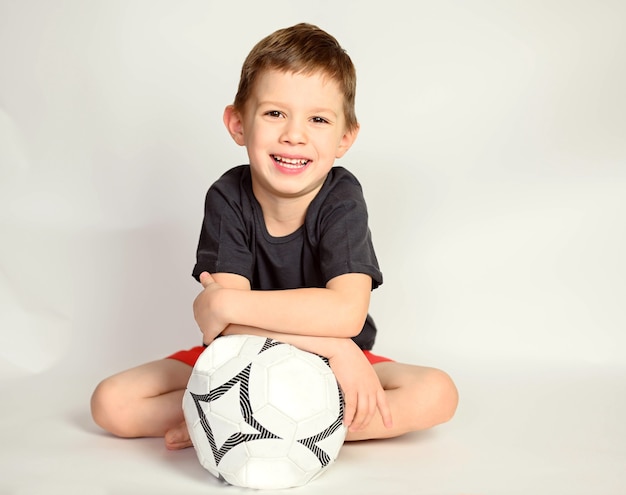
{"type": "Point", "coordinates": [293, 127]}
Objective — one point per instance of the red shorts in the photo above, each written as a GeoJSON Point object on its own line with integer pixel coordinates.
{"type": "Point", "coordinates": [190, 356]}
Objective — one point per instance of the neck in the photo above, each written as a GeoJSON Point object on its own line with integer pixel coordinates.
{"type": "Point", "coordinates": [284, 216]}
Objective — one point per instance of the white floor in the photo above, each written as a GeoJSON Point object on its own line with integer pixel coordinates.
{"type": "Point", "coordinates": [520, 429]}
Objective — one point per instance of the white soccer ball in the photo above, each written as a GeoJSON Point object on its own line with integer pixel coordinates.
{"type": "Point", "coordinates": [262, 413]}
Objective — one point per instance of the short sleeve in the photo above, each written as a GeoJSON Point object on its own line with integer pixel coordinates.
{"type": "Point", "coordinates": [224, 245]}
{"type": "Point", "coordinates": [345, 241]}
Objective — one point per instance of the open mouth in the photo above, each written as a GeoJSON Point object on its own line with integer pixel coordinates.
{"type": "Point", "coordinates": [292, 163]}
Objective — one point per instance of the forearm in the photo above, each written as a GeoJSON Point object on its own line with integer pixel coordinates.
{"type": "Point", "coordinates": [318, 312]}
{"type": "Point", "coordinates": [328, 347]}
{"type": "Point", "coordinates": [338, 310]}
{"type": "Point", "coordinates": [361, 387]}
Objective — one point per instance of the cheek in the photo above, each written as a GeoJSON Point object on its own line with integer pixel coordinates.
{"type": "Point", "coordinates": [259, 136]}
{"type": "Point", "coordinates": [252, 140]}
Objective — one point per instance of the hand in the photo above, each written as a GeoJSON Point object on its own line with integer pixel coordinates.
{"type": "Point", "coordinates": [363, 393]}
{"type": "Point", "coordinates": [206, 309]}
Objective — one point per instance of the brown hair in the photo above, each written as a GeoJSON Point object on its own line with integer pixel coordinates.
{"type": "Point", "coordinates": [305, 49]}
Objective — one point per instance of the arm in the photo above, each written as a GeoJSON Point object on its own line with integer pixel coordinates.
{"type": "Point", "coordinates": [338, 310]}
{"type": "Point", "coordinates": [363, 393]}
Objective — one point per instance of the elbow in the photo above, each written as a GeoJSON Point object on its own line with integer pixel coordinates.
{"type": "Point", "coordinates": [356, 316]}
{"type": "Point", "coordinates": [354, 329]}
{"type": "Point", "coordinates": [350, 305]}
{"type": "Point", "coordinates": [352, 323]}
{"type": "Point", "coordinates": [347, 332]}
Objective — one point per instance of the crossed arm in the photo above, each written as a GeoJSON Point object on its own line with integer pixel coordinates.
{"type": "Point", "coordinates": [319, 320]}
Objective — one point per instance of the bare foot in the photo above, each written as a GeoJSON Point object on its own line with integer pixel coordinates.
{"type": "Point", "coordinates": [178, 437]}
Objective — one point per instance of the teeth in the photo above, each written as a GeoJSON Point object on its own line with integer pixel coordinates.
{"type": "Point", "coordinates": [291, 161]}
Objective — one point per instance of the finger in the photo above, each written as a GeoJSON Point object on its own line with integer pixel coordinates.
{"type": "Point", "coordinates": [364, 413]}
{"type": "Point", "coordinates": [361, 413]}
{"type": "Point", "coordinates": [349, 409]}
{"type": "Point", "coordinates": [206, 279]}
{"type": "Point", "coordinates": [384, 409]}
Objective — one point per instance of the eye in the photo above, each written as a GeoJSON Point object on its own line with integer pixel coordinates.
{"type": "Point", "coordinates": [274, 114]}
{"type": "Point", "coordinates": [319, 120]}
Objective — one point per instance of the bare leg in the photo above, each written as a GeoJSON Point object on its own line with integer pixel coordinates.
{"type": "Point", "coordinates": [419, 398]}
{"type": "Point", "coordinates": [145, 401]}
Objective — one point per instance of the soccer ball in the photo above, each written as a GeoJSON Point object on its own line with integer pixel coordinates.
{"type": "Point", "coordinates": [262, 413]}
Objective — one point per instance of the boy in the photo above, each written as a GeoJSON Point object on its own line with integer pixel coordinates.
{"type": "Point", "coordinates": [285, 252]}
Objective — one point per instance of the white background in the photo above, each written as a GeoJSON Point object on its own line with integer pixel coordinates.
{"type": "Point", "coordinates": [492, 153]}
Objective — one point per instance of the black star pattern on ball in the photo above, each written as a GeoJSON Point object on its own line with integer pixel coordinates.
{"type": "Point", "coordinates": [243, 379]}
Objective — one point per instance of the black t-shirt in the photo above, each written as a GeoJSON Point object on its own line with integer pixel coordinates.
{"type": "Point", "coordinates": [334, 240]}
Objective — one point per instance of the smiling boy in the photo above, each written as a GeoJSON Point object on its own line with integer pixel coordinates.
{"type": "Point", "coordinates": [285, 251]}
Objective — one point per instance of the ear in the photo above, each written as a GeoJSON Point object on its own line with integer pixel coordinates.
{"type": "Point", "coordinates": [234, 124]}
{"type": "Point", "coordinates": [347, 140]}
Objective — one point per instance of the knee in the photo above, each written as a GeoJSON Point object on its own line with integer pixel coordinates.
{"type": "Point", "coordinates": [444, 395]}
{"type": "Point", "coordinates": [435, 398]}
{"type": "Point", "coordinates": [108, 408]}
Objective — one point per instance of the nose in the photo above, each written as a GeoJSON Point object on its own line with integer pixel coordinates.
{"type": "Point", "coordinates": [294, 132]}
